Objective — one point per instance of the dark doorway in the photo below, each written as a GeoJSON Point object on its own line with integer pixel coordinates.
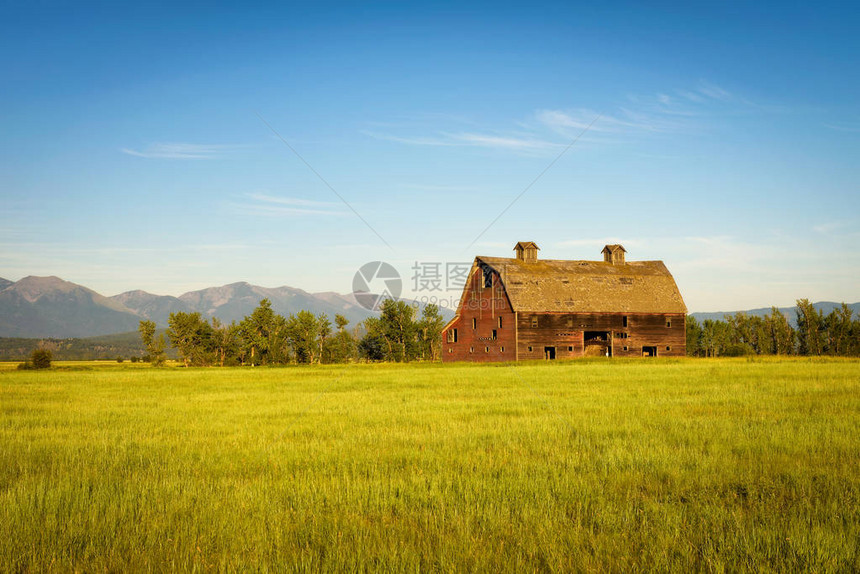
{"type": "Point", "coordinates": [596, 344]}
{"type": "Point", "coordinates": [595, 337]}
{"type": "Point", "coordinates": [549, 353]}
{"type": "Point", "coordinates": [649, 351]}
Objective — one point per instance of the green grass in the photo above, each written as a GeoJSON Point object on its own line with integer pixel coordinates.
{"type": "Point", "coordinates": [704, 465]}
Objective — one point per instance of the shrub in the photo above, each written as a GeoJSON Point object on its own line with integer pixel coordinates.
{"type": "Point", "coordinates": [25, 366]}
{"type": "Point", "coordinates": [134, 359]}
{"type": "Point", "coordinates": [738, 350]}
{"type": "Point", "coordinates": [41, 359]}
{"type": "Point", "coordinates": [119, 359]}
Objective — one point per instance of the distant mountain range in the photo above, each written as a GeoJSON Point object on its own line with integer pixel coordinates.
{"type": "Point", "coordinates": [52, 307]}
{"type": "Point", "coordinates": [790, 312]}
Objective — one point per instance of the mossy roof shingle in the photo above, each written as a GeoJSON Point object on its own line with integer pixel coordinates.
{"type": "Point", "coordinates": [587, 286]}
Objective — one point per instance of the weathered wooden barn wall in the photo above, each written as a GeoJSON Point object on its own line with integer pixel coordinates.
{"type": "Point", "coordinates": [566, 333]}
{"type": "Point", "coordinates": [482, 307]}
{"type": "Point", "coordinates": [668, 333]}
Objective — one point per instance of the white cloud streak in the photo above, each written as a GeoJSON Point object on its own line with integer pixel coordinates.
{"type": "Point", "coordinates": [181, 151]}
{"type": "Point", "coordinates": [467, 139]}
{"type": "Point", "coordinates": [551, 129]}
{"type": "Point", "coordinates": [266, 205]}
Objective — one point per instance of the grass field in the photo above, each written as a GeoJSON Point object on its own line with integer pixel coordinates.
{"type": "Point", "coordinates": [704, 465]}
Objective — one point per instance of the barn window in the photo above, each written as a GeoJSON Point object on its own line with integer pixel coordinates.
{"type": "Point", "coordinates": [625, 347]}
{"type": "Point", "coordinates": [494, 335]}
{"type": "Point", "coordinates": [530, 349]}
{"type": "Point", "coordinates": [624, 321]}
{"type": "Point", "coordinates": [501, 349]}
{"type": "Point", "coordinates": [668, 348]}
{"type": "Point", "coordinates": [452, 336]}
{"type": "Point", "coordinates": [488, 275]}
{"type": "Point", "coordinates": [534, 322]}
{"type": "Point", "coordinates": [500, 322]}
{"type": "Point", "coordinates": [471, 349]}
{"type": "Point", "coordinates": [668, 323]}
{"type": "Point", "coordinates": [474, 323]}
{"type": "Point", "coordinates": [570, 348]}
{"type": "Point", "coordinates": [486, 349]}
{"type": "Point", "coordinates": [450, 350]}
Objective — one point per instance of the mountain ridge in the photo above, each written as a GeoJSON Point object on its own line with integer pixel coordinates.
{"type": "Point", "coordinates": [45, 306]}
{"type": "Point", "coordinates": [51, 307]}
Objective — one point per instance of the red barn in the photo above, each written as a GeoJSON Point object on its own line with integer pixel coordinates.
{"type": "Point", "coordinates": [529, 308]}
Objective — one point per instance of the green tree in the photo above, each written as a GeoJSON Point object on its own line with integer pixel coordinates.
{"type": "Point", "coordinates": [430, 333]}
{"type": "Point", "coordinates": [192, 337]}
{"type": "Point", "coordinates": [341, 348]}
{"type": "Point", "coordinates": [694, 338]}
{"type": "Point", "coordinates": [714, 337]}
{"type": "Point", "coordinates": [837, 328]}
{"type": "Point", "coordinates": [399, 330]}
{"type": "Point", "coordinates": [744, 334]}
{"type": "Point", "coordinates": [373, 345]}
{"type": "Point", "coordinates": [779, 333]}
{"type": "Point", "coordinates": [324, 332]}
{"type": "Point", "coordinates": [263, 336]}
{"type": "Point", "coordinates": [154, 345]}
{"type": "Point", "coordinates": [41, 359]}
{"type": "Point", "coordinates": [306, 333]}
{"type": "Point", "coordinates": [225, 340]}
{"type": "Point", "coordinates": [854, 338]}
{"type": "Point", "coordinates": [810, 327]}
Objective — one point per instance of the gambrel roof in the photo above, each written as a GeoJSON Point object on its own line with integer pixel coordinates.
{"type": "Point", "coordinates": [558, 286]}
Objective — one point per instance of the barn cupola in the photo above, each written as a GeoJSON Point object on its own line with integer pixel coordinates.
{"type": "Point", "coordinates": [614, 254]}
{"type": "Point", "coordinates": [526, 251]}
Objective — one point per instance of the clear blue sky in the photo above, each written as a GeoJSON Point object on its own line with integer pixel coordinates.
{"type": "Point", "coordinates": [724, 141]}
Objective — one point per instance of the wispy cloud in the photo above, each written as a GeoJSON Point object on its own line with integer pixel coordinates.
{"type": "Point", "coordinates": [292, 201]}
{"type": "Point", "coordinates": [509, 142]}
{"type": "Point", "coordinates": [505, 142]}
{"type": "Point", "coordinates": [181, 151]}
{"type": "Point", "coordinates": [441, 187]}
{"type": "Point", "coordinates": [844, 127]}
{"type": "Point", "coordinates": [547, 130]}
{"type": "Point", "coordinates": [840, 230]}
{"type": "Point", "coordinates": [625, 120]}
{"type": "Point", "coordinates": [264, 204]}
{"type": "Point", "coordinates": [714, 92]}
{"type": "Point", "coordinates": [421, 140]}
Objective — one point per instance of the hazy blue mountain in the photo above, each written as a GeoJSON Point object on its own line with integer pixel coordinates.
{"type": "Point", "coordinates": [152, 307]}
{"type": "Point", "coordinates": [51, 307]}
{"type": "Point", "coordinates": [790, 312]}
{"type": "Point", "coordinates": [235, 301]}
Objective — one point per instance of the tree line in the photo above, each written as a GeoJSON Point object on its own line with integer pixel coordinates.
{"type": "Point", "coordinates": [266, 338]}
{"type": "Point", "coordinates": [836, 334]}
